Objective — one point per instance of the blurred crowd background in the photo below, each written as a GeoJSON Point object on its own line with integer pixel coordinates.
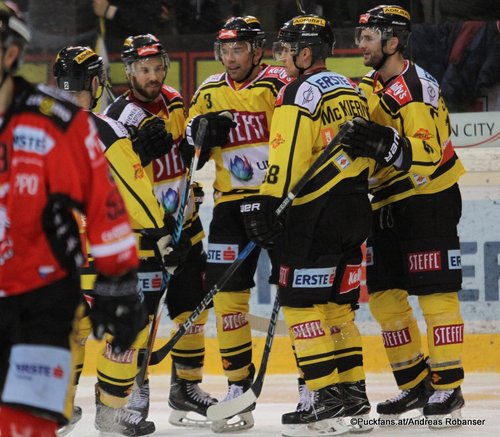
{"type": "Point", "coordinates": [458, 41]}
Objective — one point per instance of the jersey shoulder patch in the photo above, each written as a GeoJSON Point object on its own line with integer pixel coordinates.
{"type": "Point", "coordinates": [276, 74]}
{"type": "Point", "coordinates": [51, 103]}
{"type": "Point", "coordinates": [106, 126]}
{"type": "Point", "coordinates": [170, 93]}
{"type": "Point", "coordinates": [126, 112]}
{"type": "Point", "coordinates": [430, 87]}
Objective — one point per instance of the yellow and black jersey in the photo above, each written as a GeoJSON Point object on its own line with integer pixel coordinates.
{"type": "Point", "coordinates": [168, 173]}
{"type": "Point", "coordinates": [241, 164]}
{"type": "Point", "coordinates": [134, 185]}
{"type": "Point", "coordinates": [412, 104]}
{"type": "Point", "coordinates": [309, 112]}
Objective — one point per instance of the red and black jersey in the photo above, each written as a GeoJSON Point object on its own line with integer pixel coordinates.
{"type": "Point", "coordinates": [50, 147]}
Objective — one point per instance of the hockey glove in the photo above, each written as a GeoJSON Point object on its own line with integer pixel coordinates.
{"type": "Point", "coordinates": [199, 195]}
{"type": "Point", "coordinates": [118, 310]}
{"type": "Point", "coordinates": [171, 256]}
{"type": "Point", "coordinates": [381, 143]}
{"type": "Point", "coordinates": [151, 140]}
{"type": "Point", "coordinates": [261, 224]}
{"type": "Point", "coordinates": [62, 232]}
{"type": "Point", "coordinates": [219, 125]}
{"type": "Point", "coordinates": [187, 154]}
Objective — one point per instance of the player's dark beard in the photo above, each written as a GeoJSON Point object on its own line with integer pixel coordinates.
{"type": "Point", "coordinates": [147, 95]}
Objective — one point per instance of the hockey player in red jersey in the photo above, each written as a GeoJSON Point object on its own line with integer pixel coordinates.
{"type": "Point", "coordinates": [51, 163]}
{"type": "Point", "coordinates": [248, 89]}
{"type": "Point", "coordinates": [146, 66]}
{"type": "Point", "coordinates": [414, 246]}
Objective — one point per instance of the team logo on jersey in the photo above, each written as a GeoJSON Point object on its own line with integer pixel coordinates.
{"type": "Point", "coordinates": [419, 180]}
{"type": "Point", "coordinates": [422, 134]}
{"type": "Point", "coordinates": [138, 171]}
{"type": "Point", "coordinates": [241, 168]}
{"type": "Point", "coordinates": [342, 161]}
{"type": "Point", "coordinates": [351, 279]}
{"type": "Point", "coordinates": [277, 140]}
{"type": "Point", "coordinates": [170, 200]}
{"type": "Point", "coordinates": [400, 92]}
{"type": "Point", "coordinates": [327, 135]}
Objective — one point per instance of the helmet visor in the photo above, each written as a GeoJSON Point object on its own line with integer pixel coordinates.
{"type": "Point", "coordinates": [223, 50]}
{"type": "Point", "coordinates": [138, 66]}
{"type": "Point", "coordinates": [281, 49]}
{"type": "Point", "coordinates": [372, 34]}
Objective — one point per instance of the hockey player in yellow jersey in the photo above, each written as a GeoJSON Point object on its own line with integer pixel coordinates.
{"type": "Point", "coordinates": [81, 71]}
{"type": "Point", "coordinates": [320, 265]}
{"type": "Point", "coordinates": [414, 247]}
{"type": "Point", "coordinates": [239, 148]}
{"type": "Point", "coordinates": [146, 66]}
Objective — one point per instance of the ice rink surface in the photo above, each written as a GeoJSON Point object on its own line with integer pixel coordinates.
{"type": "Point", "coordinates": [481, 392]}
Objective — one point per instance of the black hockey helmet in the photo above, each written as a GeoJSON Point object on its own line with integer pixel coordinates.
{"type": "Point", "coordinates": [140, 47]}
{"type": "Point", "coordinates": [246, 28]}
{"type": "Point", "coordinates": [75, 67]}
{"type": "Point", "coordinates": [13, 28]}
{"type": "Point", "coordinates": [390, 20]}
{"type": "Point", "coordinates": [306, 30]}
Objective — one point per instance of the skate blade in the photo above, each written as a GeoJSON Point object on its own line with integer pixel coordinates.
{"type": "Point", "coordinates": [358, 424]}
{"type": "Point", "coordinates": [452, 420]}
{"type": "Point", "coordinates": [65, 430]}
{"type": "Point", "coordinates": [389, 419]}
{"type": "Point", "coordinates": [236, 423]}
{"type": "Point", "coordinates": [327, 427]}
{"type": "Point", "coordinates": [188, 419]}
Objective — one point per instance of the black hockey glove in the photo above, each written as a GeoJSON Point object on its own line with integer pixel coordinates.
{"type": "Point", "coordinates": [62, 232]}
{"type": "Point", "coordinates": [151, 139]}
{"type": "Point", "coordinates": [187, 154]}
{"type": "Point", "coordinates": [261, 224]}
{"type": "Point", "coordinates": [171, 256]}
{"type": "Point", "coordinates": [199, 195]}
{"type": "Point", "coordinates": [219, 125]}
{"type": "Point", "coordinates": [381, 143]}
{"type": "Point", "coordinates": [118, 310]}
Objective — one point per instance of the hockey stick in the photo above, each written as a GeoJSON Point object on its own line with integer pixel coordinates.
{"type": "Point", "coordinates": [234, 406]}
{"type": "Point", "coordinates": [158, 355]}
{"type": "Point", "coordinates": [179, 224]}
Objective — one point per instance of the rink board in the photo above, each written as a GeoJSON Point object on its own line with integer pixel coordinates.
{"type": "Point", "coordinates": [480, 355]}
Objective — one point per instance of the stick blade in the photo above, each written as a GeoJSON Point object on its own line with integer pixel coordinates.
{"type": "Point", "coordinates": [230, 408]}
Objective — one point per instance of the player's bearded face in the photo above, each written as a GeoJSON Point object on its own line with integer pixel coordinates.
{"type": "Point", "coordinates": [147, 78]}
{"type": "Point", "coordinates": [370, 43]}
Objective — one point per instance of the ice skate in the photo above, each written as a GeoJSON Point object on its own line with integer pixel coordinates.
{"type": "Point", "coordinates": [445, 405]}
{"type": "Point", "coordinates": [412, 399]}
{"type": "Point", "coordinates": [120, 421]}
{"type": "Point", "coordinates": [139, 400]}
{"type": "Point", "coordinates": [243, 420]}
{"type": "Point", "coordinates": [75, 418]}
{"type": "Point", "coordinates": [356, 404]}
{"type": "Point", "coordinates": [318, 413]}
{"type": "Point", "coordinates": [188, 402]}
